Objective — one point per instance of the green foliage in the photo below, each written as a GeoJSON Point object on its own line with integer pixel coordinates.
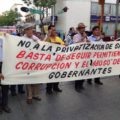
{"type": "Point", "coordinates": [44, 3]}
{"type": "Point", "coordinates": [8, 18]}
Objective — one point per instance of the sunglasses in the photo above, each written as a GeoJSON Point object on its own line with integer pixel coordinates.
{"type": "Point", "coordinates": [81, 27]}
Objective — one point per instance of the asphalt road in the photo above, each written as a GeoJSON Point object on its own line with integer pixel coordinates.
{"type": "Point", "coordinates": [94, 103]}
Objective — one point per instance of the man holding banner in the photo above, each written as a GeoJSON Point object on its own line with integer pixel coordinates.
{"type": "Point", "coordinates": [81, 36]}
{"type": "Point", "coordinates": [95, 37]}
{"type": "Point", "coordinates": [53, 38]}
{"type": "Point", "coordinates": [4, 88]}
{"type": "Point", "coordinates": [32, 90]}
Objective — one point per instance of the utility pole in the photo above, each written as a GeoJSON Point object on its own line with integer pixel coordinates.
{"type": "Point", "coordinates": [53, 15]}
{"type": "Point", "coordinates": [117, 15]}
{"type": "Point", "coordinates": [102, 2]}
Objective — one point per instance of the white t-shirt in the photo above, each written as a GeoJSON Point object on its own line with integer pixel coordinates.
{"type": "Point", "coordinates": [78, 38]}
{"type": "Point", "coordinates": [34, 38]}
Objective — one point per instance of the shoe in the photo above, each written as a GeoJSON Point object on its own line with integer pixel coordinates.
{"type": "Point", "coordinates": [57, 90]}
{"type": "Point", "coordinates": [37, 98]}
{"type": "Point", "coordinates": [49, 92]}
{"type": "Point", "coordinates": [89, 82]}
{"type": "Point", "coordinates": [14, 94]}
{"type": "Point", "coordinates": [6, 109]}
{"type": "Point", "coordinates": [77, 90]}
{"type": "Point", "coordinates": [98, 82]}
{"type": "Point", "coordinates": [29, 101]}
{"type": "Point", "coordinates": [21, 92]}
{"type": "Point", "coordinates": [1, 110]}
{"type": "Point", "coordinates": [81, 88]}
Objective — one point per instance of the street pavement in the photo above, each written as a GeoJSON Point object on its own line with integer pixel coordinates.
{"type": "Point", "coordinates": [94, 103]}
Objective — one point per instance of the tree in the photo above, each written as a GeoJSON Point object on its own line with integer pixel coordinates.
{"type": "Point", "coordinates": [8, 18]}
{"type": "Point", "coordinates": [43, 5]}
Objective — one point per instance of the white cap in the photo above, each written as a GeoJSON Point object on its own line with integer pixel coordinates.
{"type": "Point", "coordinates": [28, 25]}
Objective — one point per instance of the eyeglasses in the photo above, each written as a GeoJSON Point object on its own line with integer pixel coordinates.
{"type": "Point", "coordinates": [81, 27]}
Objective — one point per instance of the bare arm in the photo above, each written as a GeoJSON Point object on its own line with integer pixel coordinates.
{"type": "Point", "coordinates": [47, 39]}
{"type": "Point", "coordinates": [1, 76]}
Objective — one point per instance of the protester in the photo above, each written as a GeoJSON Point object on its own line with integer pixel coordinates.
{"type": "Point", "coordinates": [13, 89]}
{"type": "Point", "coordinates": [95, 37]}
{"type": "Point", "coordinates": [20, 87]}
{"type": "Point", "coordinates": [81, 36]}
{"type": "Point", "coordinates": [53, 38]}
{"type": "Point", "coordinates": [32, 90]}
{"type": "Point", "coordinates": [4, 98]}
{"type": "Point", "coordinates": [69, 38]}
{"type": "Point", "coordinates": [40, 35]}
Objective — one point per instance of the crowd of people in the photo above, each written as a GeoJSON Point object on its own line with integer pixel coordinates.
{"type": "Point", "coordinates": [74, 36]}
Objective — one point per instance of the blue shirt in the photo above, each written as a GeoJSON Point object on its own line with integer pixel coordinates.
{"type": "Point", "coordinates": [69, 40]}
{"type": "Point", "coordinates": [93, 38]}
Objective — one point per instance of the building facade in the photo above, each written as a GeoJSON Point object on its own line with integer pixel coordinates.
{"type": "Point", "coordinates": [78, 11]}
{"type": "Point", "coordinates": [109, 17]}
{"type": "Point", "coordinates": [86, 11]}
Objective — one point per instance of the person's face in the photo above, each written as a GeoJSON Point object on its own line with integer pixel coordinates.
{"type": "Point", "coordinates": [29, 32]}
{"type": "Point", "coordinates": [42, 36]}
{"type": "Point", "coordinates": [96, 32]}
{"type": "Point", "coordinates": [73, 30]}
{"type": "Point", "coordinates": [81, 29]}
{"type": "Point", "coordinates": [53, 31]}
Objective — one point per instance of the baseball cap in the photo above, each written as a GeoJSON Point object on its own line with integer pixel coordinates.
{"type": "Point", "coordinates": [28, 25]}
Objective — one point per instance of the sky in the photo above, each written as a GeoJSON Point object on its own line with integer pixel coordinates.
{"type": "Point", "coordinates": [7, 4]}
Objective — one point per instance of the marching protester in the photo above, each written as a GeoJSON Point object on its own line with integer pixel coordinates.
{"type": "Point", "coordinates": [81, 36]}
{"type": "Point", "coordinates": [40, 35]}
{"type": "Point", "coordinates": [95, 37]}
{"type": "Point", "coordinates": [13, 89]}
{"type": "Point", "coordinates": [32, 89]}
{"type": "Point", "coordinates": [20, 87]}
{"type": "Point", "coordinates": [53, 38]}
{"type": "Point", "coordinates": [4, 88]}
{"type": "Point", "coordinates": [69, 38]}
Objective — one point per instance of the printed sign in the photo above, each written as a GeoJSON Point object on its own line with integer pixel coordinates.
{"type": "Point", "coordinates": [28, 62]}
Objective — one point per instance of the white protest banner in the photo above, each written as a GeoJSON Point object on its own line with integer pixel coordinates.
{"type": "Point", "coordinates": [29, 62]}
